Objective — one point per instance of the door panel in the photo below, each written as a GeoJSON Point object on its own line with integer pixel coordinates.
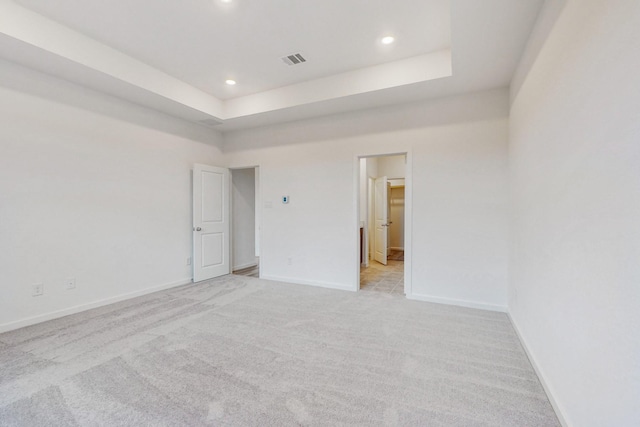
{"type": "Point", "coordinates": [212, 249]}
{"type": "Point", "coordinates": [212, 203]}
{"type": "Point", "coordinates": [381, 220]}
{"type": "Point", "coordinates": [210, 222]}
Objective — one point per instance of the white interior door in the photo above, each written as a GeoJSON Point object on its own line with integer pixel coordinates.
{"type": "Point", "coordinates": [381, 218]}
{"type": "Point", "coordinates": [210, 222]}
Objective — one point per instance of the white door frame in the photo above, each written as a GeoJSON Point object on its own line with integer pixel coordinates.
{"type": "Point", "coordinates": [408, 217]}
{"type": "Point", "coordinates": [258, 190]}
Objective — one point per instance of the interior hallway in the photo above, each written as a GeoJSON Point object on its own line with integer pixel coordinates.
{"type": "Point", "coordinates": [384, 278]}
{"type": "Point", "coordinates": [253, 271]}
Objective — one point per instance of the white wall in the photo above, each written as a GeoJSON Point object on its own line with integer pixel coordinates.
{"type": "Point", "coordinates": [371, 173]}
{"type": "Point", "coordinates": [91, 188]}
{"type": "Point", "coordinates": [258, 211]}
{"type": "Point", "coordinates": [392, 166]}
{"type": "Point", "coordinates": [575, 174]}
{"type": "Point", "coordinates": [363, 191]}
{"type": "Point", "coordinates": [372, 167]}
{"type": "Point", "coordinates": [363, 209]}
{"type": "Point", "coordinates": [459, 151]}
{"type": "Point", "coordinates": [244, 219]}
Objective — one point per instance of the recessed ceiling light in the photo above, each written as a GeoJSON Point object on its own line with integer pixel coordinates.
{"type": "Point", "coordinates": [226, 1]}
{"type": "Point", "coordinates": [388, 40]}
{"type": "Point", "coordinates": [230, 82]}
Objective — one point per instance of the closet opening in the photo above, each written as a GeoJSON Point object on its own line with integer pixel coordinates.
{"type": "Point", "coordinates": [245, 221]}
{"type": "Point", "coordinates": [382, 211]}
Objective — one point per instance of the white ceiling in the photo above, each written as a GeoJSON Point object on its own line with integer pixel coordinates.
{"type": "Point", "coordinates": [205, 42]}
{"type": "Point", "coordinates": [175, 55]}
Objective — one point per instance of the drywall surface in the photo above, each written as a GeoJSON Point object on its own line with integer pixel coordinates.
{"type": "Point", "coordinates": [371, 175]}
{"type": "Point", "coordinates": [372, 167]}
{"type": "Point", "coordinates": [575, 174]}
{"type": "Point", "coordinates": [458, 147]}
{"type": "Point", "coordinates": [392, 166]}
{"type": "Point", "coordinates": [91, 188]}
{"type": "Point", "coordinates": [243, 212]}
{"type": "Point", "coordinates": [363, 191]}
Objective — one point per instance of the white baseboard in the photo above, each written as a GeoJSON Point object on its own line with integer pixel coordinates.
{"type": "Point", "coordinates": [5, 327]}
{"type": "Point", "coordinates": [540, 373]}
{"type": "Point", "coordinates": [460, 303]}
{"type": "Point", "coordinates": [243, 266]}
{"type": "Point", "coordinates": [328, 285]}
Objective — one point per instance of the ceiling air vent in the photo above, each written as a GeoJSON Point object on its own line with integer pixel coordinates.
{"type": "Point", "coordinates": [293, 59]}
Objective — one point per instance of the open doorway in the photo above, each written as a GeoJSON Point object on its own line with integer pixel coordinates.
{"type": "Point", "coordinates": [382, 216]}
{"type": "Point", "coordinates": [245, 221]}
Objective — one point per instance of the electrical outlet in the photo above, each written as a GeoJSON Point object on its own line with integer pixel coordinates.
{"type": "Point", "coordinates": [70, 283]}
{"type": "Point", "coordinates": [37, 289]}
{"type": "Point", "coordinates": [189, 261]}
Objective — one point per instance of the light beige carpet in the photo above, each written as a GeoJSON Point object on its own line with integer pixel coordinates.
{"type": "Point", "coordinates": [244, 351]}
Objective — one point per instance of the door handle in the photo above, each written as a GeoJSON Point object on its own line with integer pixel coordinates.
{"type": "Point", "coordinates": [198, 229]}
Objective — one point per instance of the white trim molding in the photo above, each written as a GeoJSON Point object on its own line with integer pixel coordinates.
{"type": "Point", "coordinates": [6, 327]}
{"type": "Point", "coordinates": [459, 303]}
{"type": "Point", "coordinates": [540, 373]}
{"type": "Point", "coordinates": [319, 284]}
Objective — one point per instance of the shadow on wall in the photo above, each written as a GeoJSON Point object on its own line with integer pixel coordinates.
{"type": "Point", "coordinates": [546, 21]}
{"type": "Point", "coordinates": [432, 113]}
{"type": "Point", "coordinates": [25, 80]}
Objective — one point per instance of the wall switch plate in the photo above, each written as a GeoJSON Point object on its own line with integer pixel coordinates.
{"type": "Point", "coordinates": [189, 261]}
{"type": "Point", "coordinates": [70, 283]}
{"type": "Point", "coordinates": [37, 289]}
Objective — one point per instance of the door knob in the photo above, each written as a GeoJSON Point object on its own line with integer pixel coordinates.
{"type": "Point", "coordinates": [199, 229]}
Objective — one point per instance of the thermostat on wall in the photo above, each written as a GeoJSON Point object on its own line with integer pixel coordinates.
{"type": "Point", "coordinates": [285, 199]}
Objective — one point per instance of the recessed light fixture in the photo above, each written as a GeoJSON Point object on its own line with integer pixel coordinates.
{"type": "Point", "coordinates": [230, 82]}
{"type": "Point", "coordinates": [226, 1]}
{"type": "Point", "coordinates": [388, 40]}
